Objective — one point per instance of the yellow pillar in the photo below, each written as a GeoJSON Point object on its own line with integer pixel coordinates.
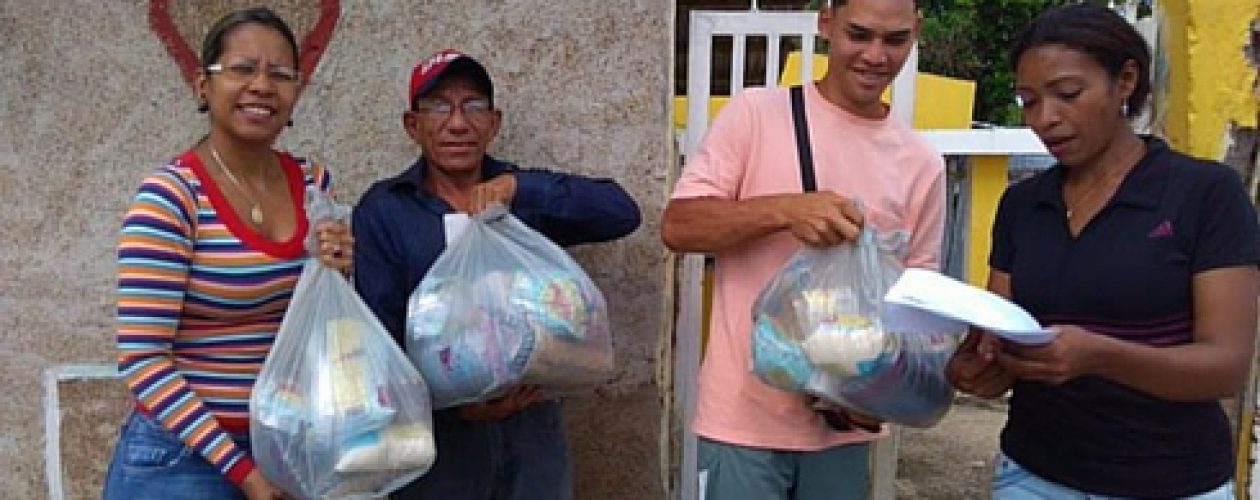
{"type": "Point", "coordinates": [1209, 82]}
{"type": "Point", "coordinates": [986, 185]}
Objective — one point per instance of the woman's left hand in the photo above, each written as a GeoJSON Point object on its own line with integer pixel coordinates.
{"type": "Point", "coordinates": [1070, 355]}
{"type": "Point", "coordinates": [335, 245]}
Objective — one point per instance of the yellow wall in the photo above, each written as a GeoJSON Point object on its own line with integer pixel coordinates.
{"type": "Point", "coordinates": [988, 182]}
{"type": "Point", "coordinates": [680, 109]}
{"type": "Point", "coordinates": [942, 102]}
{"type": "Point", "coordinates": [1210, 83]}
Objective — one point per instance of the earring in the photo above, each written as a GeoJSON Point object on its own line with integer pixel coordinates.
{"type": "Point", "coordinates": [202, 105]}
{"type": "Point", "coordinates": [1124, 109]}
{"type": "Point", "coordinates": [289, 123]}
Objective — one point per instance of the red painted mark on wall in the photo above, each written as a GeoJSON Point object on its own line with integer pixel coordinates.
{"type": "Point", "coordinates": [309, 51]}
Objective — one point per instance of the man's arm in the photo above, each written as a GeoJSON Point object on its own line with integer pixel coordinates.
{"type": "Point", "coordinates": [377, 275]}
{"type": "Point", "coordinates": [706, 212]}
{"type": "Point", "coordinates": [712, 225]}
{"type": "Point", "coordinates": [572, 209]}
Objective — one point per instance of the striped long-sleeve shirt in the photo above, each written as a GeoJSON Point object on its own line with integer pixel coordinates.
{"type": "Point", "coordinates": [200, 298]}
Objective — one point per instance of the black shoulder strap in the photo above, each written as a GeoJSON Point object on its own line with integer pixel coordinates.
{"type": "Point", "coordinates": [803, 149]}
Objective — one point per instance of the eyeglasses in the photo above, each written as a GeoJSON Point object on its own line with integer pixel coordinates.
{"type": "Point", "coordinates": [439, 111]}
{"type": "Point", "coordinates": [247, 71]}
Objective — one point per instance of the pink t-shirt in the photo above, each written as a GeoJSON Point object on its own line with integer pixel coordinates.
{"type": "Point", "coordinates": [750, 151]}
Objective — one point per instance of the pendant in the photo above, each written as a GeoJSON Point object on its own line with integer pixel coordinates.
{"type": "Point", "coordinates": [255, 214]}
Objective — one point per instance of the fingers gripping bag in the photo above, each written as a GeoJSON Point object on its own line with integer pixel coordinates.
{"type": "Point", "coordinates": [503, 306]}
{"type": "Point", "coordinates": [818, 330]}
{"type": "Point", "coordinates": [338, 410]}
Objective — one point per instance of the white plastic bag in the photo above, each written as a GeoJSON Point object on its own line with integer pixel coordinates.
{"type": "Point", "coordinates": [503, 306]}
{"type": "Point", "coordinates": [818, 330]}
{"type": "Point", "coordinates": [338, 410]}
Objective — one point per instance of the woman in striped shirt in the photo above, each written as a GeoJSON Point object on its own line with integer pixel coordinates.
{"type": "Point", "coordinates": [211, 249]}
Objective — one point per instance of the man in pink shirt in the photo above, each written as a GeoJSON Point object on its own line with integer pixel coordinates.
{"type": "Point", "coordinates": [740, 198]}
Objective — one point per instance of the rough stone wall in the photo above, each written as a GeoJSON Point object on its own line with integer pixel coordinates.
{"type": "Point", "coordinates": [90, 99]}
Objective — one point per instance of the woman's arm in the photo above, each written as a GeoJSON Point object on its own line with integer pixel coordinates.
{"type": "Point", "coordinates": [1216, 364]}
{"type": "Point", "coordinates": [1213, 366]}
{"type": "Point", "coordinates": [154, 256]}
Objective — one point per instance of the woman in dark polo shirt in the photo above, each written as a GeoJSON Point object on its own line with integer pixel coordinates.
{"type": "Point", "coordinates": [1144, 259]}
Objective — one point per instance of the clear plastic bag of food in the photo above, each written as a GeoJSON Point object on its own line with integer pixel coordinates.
{"type": "Point", "coordinates": [818, 330]}
{"type": "Point", "coordinates": [338, 410]}
{"type": "Point", "coordinates": [504, 306]}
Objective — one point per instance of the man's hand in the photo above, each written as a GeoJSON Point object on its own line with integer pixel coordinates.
{"type": "Point", "coordinates": [256, 487]}
{"type": "Point", "coordinates": [843, 419]}
{"type": "Point", "coordinates": [510, 404]}
{"type": "Point", "coordinates": [821, 218]}
{"type": "Point", "coordinates": [501, 189]}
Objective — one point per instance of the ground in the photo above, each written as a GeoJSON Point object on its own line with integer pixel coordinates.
{"type": "Point", "coordinates": [954, 459]}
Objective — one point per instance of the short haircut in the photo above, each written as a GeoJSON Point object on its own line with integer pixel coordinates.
{"type": "Point", "coordinates": [842, 3]}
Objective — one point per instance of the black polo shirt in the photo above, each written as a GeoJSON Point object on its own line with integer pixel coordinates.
{"type": "Point", "coordinates": [1128, 275]}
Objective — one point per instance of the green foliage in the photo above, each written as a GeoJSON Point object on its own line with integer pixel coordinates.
{"type": "Point", "coordinates": [969, 39]}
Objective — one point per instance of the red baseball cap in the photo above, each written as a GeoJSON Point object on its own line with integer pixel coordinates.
{"type": "Point", "coordinates": [445, 63]}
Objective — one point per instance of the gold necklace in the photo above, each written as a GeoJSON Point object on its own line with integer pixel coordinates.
{"type": "Point", "coordinates": [1089, 193]}
{"type": "Point", "coordinates": [1095, 188]}
{"type": "Point", "coordinates": [255, 213]}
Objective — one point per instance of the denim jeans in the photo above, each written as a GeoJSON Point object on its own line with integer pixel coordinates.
{"type": "Point", "coordinates": [522, 457]}
{"type": "Point", "coordinates": [151, 463]}
{"type": "Point", "coordinates": [1012, 482]}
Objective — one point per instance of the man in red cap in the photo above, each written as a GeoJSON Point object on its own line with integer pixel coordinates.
{"type": "Point", "coordinates": [514, 447]}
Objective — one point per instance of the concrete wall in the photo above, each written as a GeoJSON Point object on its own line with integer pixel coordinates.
{"type": "Point", "coordinates": [91, 99]}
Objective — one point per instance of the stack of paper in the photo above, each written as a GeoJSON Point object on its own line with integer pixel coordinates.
{"type": "Point", "coordinates": [927, 301]}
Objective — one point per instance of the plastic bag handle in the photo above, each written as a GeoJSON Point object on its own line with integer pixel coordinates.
{"type": "Point", "coordinates": [320, 206]}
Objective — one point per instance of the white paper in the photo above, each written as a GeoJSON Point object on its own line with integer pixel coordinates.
{"type": "Point", "coordinates": [910, 320]}
{"type": "Point", "coordinates": [923, 299]}
{"type": "Point", "coordinates": [454, 224]}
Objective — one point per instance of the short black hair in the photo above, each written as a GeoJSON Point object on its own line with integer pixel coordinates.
{"type": "Point", "coordinates": [1098, 32]}
{"type": "Point", "coordinates": [842, 3]}
{"type": "Point", "coordinates": [212, 47]}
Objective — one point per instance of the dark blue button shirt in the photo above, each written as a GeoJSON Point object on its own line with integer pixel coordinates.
{"type": "Point", "coordinates": [398, 228]}
{"type": "Point", "coordinates": [1127, 275]}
